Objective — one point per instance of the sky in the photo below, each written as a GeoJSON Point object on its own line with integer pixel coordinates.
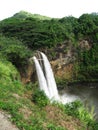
{"type": "Point", "coordinates": [51, 8]}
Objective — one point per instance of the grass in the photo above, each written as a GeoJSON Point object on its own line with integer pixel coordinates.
{"type": "Point", "coordinates": [29, 114]}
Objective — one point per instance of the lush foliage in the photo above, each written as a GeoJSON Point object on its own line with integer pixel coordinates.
{"type": "Point", "coordinates": [40, 98]}
{"type": "Point", "coordinates": [33, 112]}
{"type": "Point", "coordinates": [38, 32]}
{"type": "Point", "coordinates": [8, 72]}
{"type": "Point", "coordinates": [86, 68]}
{"type": "Point", "coordinates": [77, 110]}
{"type": "Point", "coordinates": [14, 51]}
{"type": "Point", "coordinates": [24, 14]}
{"type": "Point", "coordinates": [87, 27]}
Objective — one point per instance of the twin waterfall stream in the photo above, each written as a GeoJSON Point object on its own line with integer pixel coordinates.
{"type": "Point", "coordinates": [47, 81]}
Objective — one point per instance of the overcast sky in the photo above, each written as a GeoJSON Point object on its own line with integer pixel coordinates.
{"type": "Point", "coordinates": [51, 8]}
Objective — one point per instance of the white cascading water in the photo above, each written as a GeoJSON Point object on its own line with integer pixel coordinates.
{"type": "Point", "coordinates": [41, 78]}
{"type": "Point", "coordinates": [47, 81]}
{"type": "Point", "coordinates": [50, 78]}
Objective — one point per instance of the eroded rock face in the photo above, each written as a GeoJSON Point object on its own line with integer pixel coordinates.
{"type": "Point", "coordinates": [84, 44]}
{"type": "Point", "coordinates": [62, 58]}
{"type": "Point", "coordinates": [29, 74]}
{"type": "Point", "coordinates": [62, 67]}
{"type": "Point", "coordinates": [62, 70]}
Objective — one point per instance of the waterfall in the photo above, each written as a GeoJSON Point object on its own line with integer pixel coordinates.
{"type": "Point", "coordinates": [50, 78]}
{"type": "Point", "coordinates": [47, 81]}
{"type": "Point", "coordinates": [46, 78]}
{"type": "Point", "coordinates": [41, 78]}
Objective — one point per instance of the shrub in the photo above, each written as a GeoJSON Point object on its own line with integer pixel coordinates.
{"type": "Point", "coordinates": [40, 98]}
{"type": "Point", "coordinates": [8, 72]}
{"type": "Point", "coordinates": [14, 51]}
{"type": "Point", "coordinates": [54, 127]}
{"type": "Point", "coordinates": [72, 108]}
{"type": "Point", "coordinates": [77, 110]}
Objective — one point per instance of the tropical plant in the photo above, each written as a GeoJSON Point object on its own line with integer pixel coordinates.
{"type": "Point", "coordinates": [39, 98]}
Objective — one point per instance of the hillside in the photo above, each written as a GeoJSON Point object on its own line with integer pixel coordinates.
{"type": "Point", "coordinates": [29, 109]}
{"type": "Point", "coordinates": [24, 15]}
{"type": "Point", "coordinates": [74, 40]}
{"type": "Point", "coordinates": [71, 45]}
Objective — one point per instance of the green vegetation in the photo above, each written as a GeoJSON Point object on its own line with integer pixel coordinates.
{"type": "Point", "coordinates": [86, 68]}
{"type": "Point", "coordinates": [36, 33]}
{"type": "Point", "coordinates": [8, 72]}
{"type": "Point", "coordinates": [40, 32]}
{"type": "Point", "coordinates": [40, 98]}
{"type": "Point", "coordinates": [23, 34]}
{"type": "Point", "coordinates": [24, 15]}
{"type": "Point", "coordinates": [31, 110]}
{"type": "Point", "coordinates": [14, 51]}
{"type": "Point", "coordinates": [77, 110]}
{"type": "Point", "coordinates": [16, 99]}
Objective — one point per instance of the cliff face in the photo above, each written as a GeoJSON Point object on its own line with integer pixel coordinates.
{"type": "Point", "coordinates": [64, 71]}
{"type": "Point", "coordinates": [62, 59]}
{"type": "Point", "coordinates": [66, 42]}
{"type": "Point", "coordinates": [70, 63]}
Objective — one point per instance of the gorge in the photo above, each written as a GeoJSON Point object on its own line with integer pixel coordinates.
{"type": "Point", "coordinates": [71, 45]}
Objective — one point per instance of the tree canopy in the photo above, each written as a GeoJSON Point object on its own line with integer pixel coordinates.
{"type": "Point", "coordinates": [36, 31]}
